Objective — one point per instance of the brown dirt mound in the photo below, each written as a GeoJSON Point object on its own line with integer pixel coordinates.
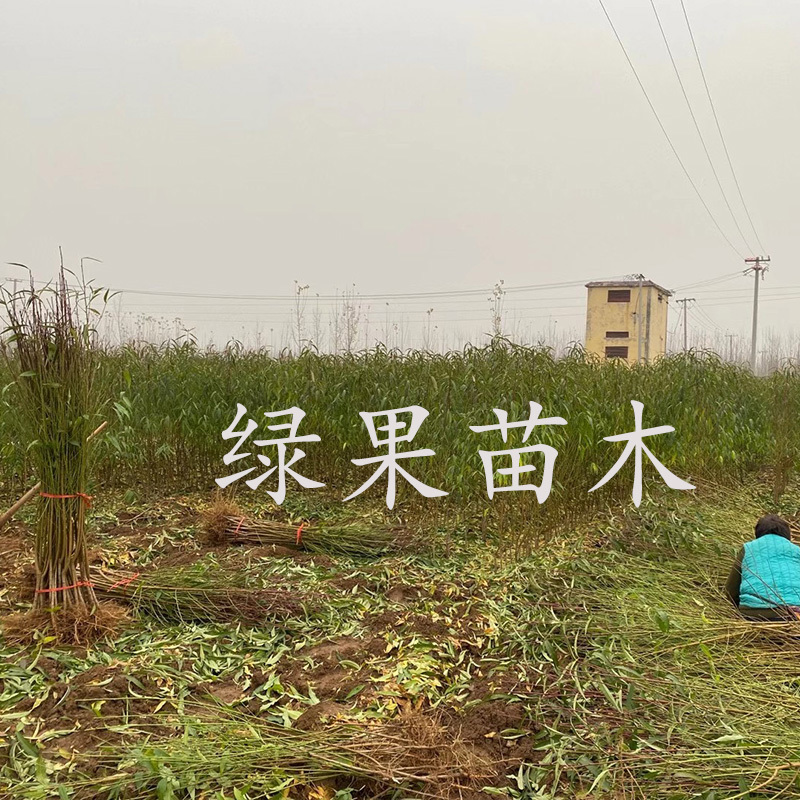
{"type": "Point", "coordinates": [350, 582]}
{"type": "Point", "coordinates": [482, 725]}
{"type": "Point", "coordinates": [92, 703]}
{"type": "Point", "coordinates": [403, 593]}
{"type": "Point", "coordinates": [16, 564]}
{"type": "Point", "coordinates": [421, 624]}
{"type": "Point", "coordinates": [317, 717]}
{"type": "Point", "coordinates": [319, 667]}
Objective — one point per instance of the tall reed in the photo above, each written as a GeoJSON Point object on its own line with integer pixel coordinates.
{"type": "Point", "coordinates": [174, 402]}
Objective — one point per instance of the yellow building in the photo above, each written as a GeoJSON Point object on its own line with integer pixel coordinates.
{"type": "Point", "coordinates": [627, 319]}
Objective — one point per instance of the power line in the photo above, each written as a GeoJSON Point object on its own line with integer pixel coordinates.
{"type": "Point", "coordinates": [720, 279]}
{"type": "Point", "coordinates": [704, 324]}
{"type": "Point", "coordinates": [376, 323]}
{"type": "Point", "coordinates": [212, 311]}
{"type": "Point", "coordinates": [286, 315]}
{"type": "Point", "coordinates": [697, 125]}
{"type": "Point", "coordinates": [699, 310]}
{"type": "Point", "coordinates": [719, 127]}
{"type": "Point", "coordinates": [779, 299]}
{"type": "Point", "coordinates": [344, 297]}
{"type": "Point", "coordinates": [743, 291]}
{"type": "Point", "coordinates": [311, 303]}
{"type": "Point", "coordinates": [443, 305]}
{"type": "Point", "coordinates": [664, 131]}
{"type": "Point", "coordinates": [671, 334]}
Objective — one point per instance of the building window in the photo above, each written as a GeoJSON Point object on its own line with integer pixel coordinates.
{"type": "Point", "coordinates": [617, 335]}
{"type": "Point", "coordinates": [616, 352]}
{"type": "Point", "coordinates": [619, 295]}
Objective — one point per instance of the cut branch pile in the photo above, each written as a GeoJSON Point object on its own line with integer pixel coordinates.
{"type": "Point", "coordinates": [182, 596]}
{"type": "Point", "coordinates": [418, 756]}
{"type": "Point", "coordinates": [342, 540]}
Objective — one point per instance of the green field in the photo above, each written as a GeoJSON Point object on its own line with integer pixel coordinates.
{"type": "Point", "coordinates": [582, 648]}
{"type": "Point", "coordinates": [168, 407]}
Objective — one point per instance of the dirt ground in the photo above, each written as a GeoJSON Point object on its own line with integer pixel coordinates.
{"type": "Point", "coordinates": [395, 626]}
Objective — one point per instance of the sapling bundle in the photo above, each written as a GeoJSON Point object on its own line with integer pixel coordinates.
{"type": "Point", "coordinates": [186, 595]}
{"type": "Point", "coordinates": [357, 539]}
{"type": "Point", "coordinates": [51, 352]}
{"type": "Point", "coordinates": [414, 756]}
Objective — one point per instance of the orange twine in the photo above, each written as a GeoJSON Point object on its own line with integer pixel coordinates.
{"type": "Point", "coordinates": [125, 581]}
{"type": "Point", "coordinates": [77, 585]}
{"type": "Point", "coordinates": [87, 499]}
{"type": "Point", "coordinates": [299, 533]}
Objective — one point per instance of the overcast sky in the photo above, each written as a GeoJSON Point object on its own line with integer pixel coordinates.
{"type": "Point", "coordinates": [233, 148]}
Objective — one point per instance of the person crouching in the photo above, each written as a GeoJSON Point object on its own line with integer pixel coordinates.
{"type": "Point", "coordinates": [764, 582]}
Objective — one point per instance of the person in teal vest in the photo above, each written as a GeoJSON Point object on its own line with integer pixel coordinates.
{"type": "Point", "coordinates": [764, 582]}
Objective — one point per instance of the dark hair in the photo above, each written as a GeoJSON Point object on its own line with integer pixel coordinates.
{"type": "Point", "coordinates": [772, 523]}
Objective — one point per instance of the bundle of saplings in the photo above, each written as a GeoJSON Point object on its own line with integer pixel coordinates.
{"type": "Point", "coordinates": [224, 523]}
{"type": "Point", "coordinates": [51, 350]}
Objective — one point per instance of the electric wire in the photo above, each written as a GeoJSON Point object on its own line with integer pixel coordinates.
{"type": "Point", "coordinates": [675, 327]}
{"type": "Point", "coordinates": [719, 126]}
{"type": "Point", "coordinates": [780, 298]}
{"type": "Point", "coordinates": [664, 131]}
{"type": "Point", "coordinates": [342, 297]}
{"type": "Point", "coordinates": [703, 326]}
{"type": "Point", "coordinates": [697, 126]}
{"type": "Point", "coordinates": [711, 281]}
{"type": "Point", "coordinates": [699, 310]}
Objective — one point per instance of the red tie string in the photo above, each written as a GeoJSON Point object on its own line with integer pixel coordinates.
{"type": "Point", "coordinates": [241, 520]}
{"type": "Point", "coordinates": [87, 499]}
{"type": "Point", "coordinates": [299, 533]}
{"type": "Point", "coordinates": [124, 581]}
{"type": "Point", "coordinates": [77, 585]}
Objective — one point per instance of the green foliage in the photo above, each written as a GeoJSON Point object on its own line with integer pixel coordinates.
{"type": "Point", "coordinates": [631, 674]}
{"type": "Point", "coordinates": [784, 404]}
{"type": "Point", "coordinates": [174, 402]}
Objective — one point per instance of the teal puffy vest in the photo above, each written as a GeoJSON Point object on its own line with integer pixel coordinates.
{"type": "Point", "coordinates": [770, 573]}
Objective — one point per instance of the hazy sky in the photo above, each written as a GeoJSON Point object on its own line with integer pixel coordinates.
{"type": "Point", "coordinates": [232, 148]}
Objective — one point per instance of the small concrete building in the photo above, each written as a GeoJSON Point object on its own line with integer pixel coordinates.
{"type": "Point", "coordinates": [624, 316]}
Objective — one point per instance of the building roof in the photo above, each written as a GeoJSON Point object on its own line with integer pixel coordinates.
{"type": "Point", "coordinates": [626, 284]}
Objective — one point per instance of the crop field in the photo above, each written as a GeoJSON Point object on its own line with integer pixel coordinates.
{"type": "Point", "coordinates": [451, 647]}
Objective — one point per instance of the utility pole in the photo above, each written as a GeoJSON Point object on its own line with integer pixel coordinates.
{"type": "Point", "coordinates": [730, 346]}
{"type": "Point", "coordinates": [638, 314]}
{"type": "Point", "coordinates": [685, 301]}
{"type": "Point", "coordinates": [758, 269]}
{"type": "Point", "coordinates": [639, 321]}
